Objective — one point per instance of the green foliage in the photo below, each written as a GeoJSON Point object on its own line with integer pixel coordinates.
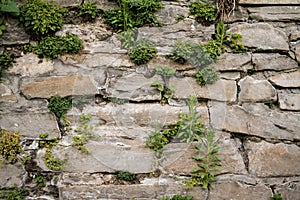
{"type": "Point", "coordinates": [132, 14]}
{"type": "Point", "coordinates": [5, 62]}
{"type": "Point", "coordinates": [10, 7]}
{"type": "Point", "coordinates": [88, 10]}
{"type": "Point", "coordinates": [2, 27]}
{"type": "Point", "coordinates": [51, 47]}
{"type": "Point", "coordinates": [43, 135]}
{"type": "Point", "coordinates": [206, 76]}
{"type": "Point", "coordinates": [277, 197]}
{"type": "Point", "coordinates": [234, 43]}
{"type": "Point", "coordinates": [41, 18]}
{"type": "Point", "coordinates": [53, 163]}
{"type": "Point", "coordinates": [128, 38]}
{"type": "Point", "coordinates": [14, 193]}
{"type": "Point", "coordinates": [178, 197]}
{"type": "Point", "coordinates": [125, 176]}
{"type": "Point", "coordinates": [142, 51]}
{"type": "Point", "coordinates": [59, 106]}
{"type": "Point", "coordinates": [156, 141]}
{"type": "Point", "coordinates": [208, 162]}
{"type": "Point", "coordinates": [40, 181]}
{"type": "Point", "coordinates": [204, 12]}
{"type": "Point", "coordinates": [180, 18]}
{"type": "Point", "coordinates": [10, 146]}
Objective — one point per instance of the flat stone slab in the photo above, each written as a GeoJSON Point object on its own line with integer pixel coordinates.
{"type": "Point", "coordinates": [249, 91]}
{"type": "Point", "coordinates": [276, 62]}
{"type": "Point", "coordinates": [261, 36]}
{"type": "Point", "coordinates": [233, 62]}
{"type": "Point", "coordinates": [62, 86]}
{"type": "Point", "coordinates": [266, 159]}
{"type": "Point", "coordinates": [10, 175]}
{"type": "Point", "coordinates": [255, 119]}
{"type": "Point", "coordinates": [30, 125]}
{"type": "Point", "coordinates": [273, 2]}
{"type": "Point", "coordinates": [287, 80]}
{"type": "Point", "coordinates": [289, 101]}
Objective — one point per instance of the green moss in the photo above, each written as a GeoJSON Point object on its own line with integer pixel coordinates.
{"type": "Point", "coordinates": [40, 181]}
{"type": "Point", "coordinates": [52, 162]}
{"type": "Point", "coordinates": [10, 146]}
{"type": "Point", "coordinates": [204, 12]}
{"type": "Point", "coordinates": [142, 51]}
{"type": "Point", "coordinates": [59, 106]}
{"type": "Point", "coordinates": [125, 176]}
{"type": "Point", "coordinates": [14, 194]}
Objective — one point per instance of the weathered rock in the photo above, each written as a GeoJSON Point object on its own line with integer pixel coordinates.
{"type": "Point", "coordinates": [297, 53]}
{"type": "Point", "coordinates": [233, 62]}
{"type": "Point", "coordinates": [30, 125]}
{"type": "Point", "coordinates": [255, 119]}
{"type": "Point", "coordinates": [295, 35]}
{"type": "Point", "coordinates": [289, 190]}
{"type": "Point", "coordinates": [289, 101]}
{"type": "Point", "coordinates": [238, 191]}
{"type": "Point", "coordinates": [14, 34]}
{"type": "Point", "coordinates": [266, 159]}
{"type": "Point", "coordinates": [230, 75]}
{"type": "Point", "coordinates": [261, 36]}
{"type": "Point", "coordinates": [105, 60]}
{"type": "Point", "coordinates": [278, 13]}
{"type": "Point", "coordinates": [168, 13]}
{"type": "Point", "coordinates": [289, 80]}
{"type": "Point", "coordinates": [274, 62]}
{"type": "Point", "coordinates": [256, 90]}
{"type": "Point", "coordinates": [62, 86]}
{"type": "Point", "coordinates": [6, 93]}
{"type": "Point", "coordinates": [222, 90]}
{"type": "Point", "coordinates": [31, 65]}
{"type": "Point", "coordinates": [11, 175]}
{"type": "Point", "coordinates": [274, 2]}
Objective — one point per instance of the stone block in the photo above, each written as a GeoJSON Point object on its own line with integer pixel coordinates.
{"type": "Point", "coordinates": [270, 61]}
{"type": "Point", "coordinates": [11, 175]}
{"type": "Point", "coordinates": [289, 101]}
{"type": "Point", "coordinates": [287, 80]}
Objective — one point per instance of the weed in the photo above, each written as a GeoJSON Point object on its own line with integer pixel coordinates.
{"type": "Point", "coordinates": [208, 162]}
{"type": "Point", "coordinates": [43, 135]}
{"type": "Point", "coordinates": [125, 176]}
{"type": "Point", "coordinates": [88, 10]}
{"type": "Point", "coordinates": [178, 197]}
{"type": "Point", "coordinates": [204, 12]}
{"type": "Point", "coordinates": [14, 193]}
{"type": "Point", "coordinates": [207, 76]}
{"type": "Point", "coordinates": [5, 62]}
{"type": "Point", "coordinates": [59, 106]}
{"type": "Point", "coordinates": [180, 18]}
{"type": "Point", "coordinates": [41, 18]}
{"type": "Point", "coordinates": [142, 51]}
{"type": "Point", "coordinates": [157, 141]}
{"type": "Point", "coordinates": [128, 38]}
{"type": "Point", "coordinates": [277, 197]}
{"type": "Point", "coordinates": [40, 181]}
{"type": "Point", "coordinates": [51, 162]}
{"type": "Point", "coordinates": [10, 146]}
{"type": "Point", "coordinates": [234, 43]}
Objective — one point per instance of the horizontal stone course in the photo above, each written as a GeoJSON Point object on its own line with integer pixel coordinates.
{"type": "Point", "coordinates": [270, 2]}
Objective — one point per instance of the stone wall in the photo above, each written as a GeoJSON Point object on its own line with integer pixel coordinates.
{"type": "Point", "coordinates": [256, 115]}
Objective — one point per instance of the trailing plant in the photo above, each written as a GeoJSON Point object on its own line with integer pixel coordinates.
{"type": "Point", "coordinates": [5, 62]}
{"type": "Point", "coordinates": [40, 181]}
{"type": "Point", "coordinates": [178, 197]}
{"type": "Point", "coordinates": [125, 176]}
{"type": "Point", "coordinates": [88, 10]}
{"type": "Point", "coordinates": [207, 76]}
{"type": "Point", "coordinates": [208, 162]}
{"type": "Point", "coordinates": [142, 51]}
{"type": "Point", "coordinates": [7, 7]}
{"type": "Point", "coordinates": [10, 147]}
{"type": "Point", "coordinates": [52, 162]}
{"type": "Point", "coordinates": [132, 14]}
{"type": "Point", "coordinates": [204, 12]}
{"type": "Point", "coordinates": [59, 106]}
{"type": "Point", "coordinates": [40, 18]}
{"type": "Point", "coordinates": [14, 193]}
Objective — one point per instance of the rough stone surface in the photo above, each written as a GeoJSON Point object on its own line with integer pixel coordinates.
{"type": "Point", "coordinates": [297, 53]}
{"type": "Point", "coordinates": [261, 36]}
{"type": "Point", "coordinates": [272, 2]}
{"type": "Point", "coordinates": [249, 91]}
{"type": "Point", "coordinates": [62, 86]}
{"type": "Point", "coordinates": [169, 13]}
{"type": "Point", "coordinates": [289, 80]}
{"type": "Point", "coordinates": [266, 159]}
{"type": "Point", "coordinates": [255, 119]}
{"type": "Point", "coordinates": [30, 124]}
{"type": "Point", "coordinates": [233, 62]}
{"type": "Point", "coordinates": [289, 190]}
{"type": "Point", "coordinates": [6, 93]}
{"type": "Point", "coordinates": [274, 62]}
{"type": "Point", "coordinates": [289, 101]}
{"type": "Point", "coordinates": [14, 35]}
{"type": "Point", "coordinates": [10, 175]}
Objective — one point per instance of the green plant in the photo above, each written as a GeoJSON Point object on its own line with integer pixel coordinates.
{"type": "Point", "coordinates": [206, 76]}
{"type": "Point", "coordinates": [7, 7]}
{"type": "Point", "coordinates": [40, 181]}
{"type": "Point", "coordinates": [204, 12]}
{"type": "Point", "coordinates": [10, 146]}
{"type": "Point", "coordinates": [125, 176]}
{"type": "Point", "coordinates": [14, 193]}
{"type": "Point", "coordinates": [43, 135]}
{"type": "Point", "coordinates": [132, 14]}
{"type": "Point", "coordinates": [128, 38]}
{"type": "Point", "coordinates": [5, 62]}
{"type": "Point", "coordinates": [59, 106]}
{"type": "Point", "coordinates": [178, 197]}
{"type": "Point", "coordinates": [142, 51]}
{"type": "Point", "coordinates": [234, 43]}
{"type": "Point", "coordinates": [208, 162]}
{"type": "Point", "coordinates": [180, 18]}
{"type": "Point", "coordinates": [51, 162]}
{"type": "Point", "coordinates": [156, 141]}
{"type": "Point", "coordinates": [88, 10]}
{"type": "Point", "coordinates": [41, 18]}
{"type": "Point", "coordinates": [277, 197]}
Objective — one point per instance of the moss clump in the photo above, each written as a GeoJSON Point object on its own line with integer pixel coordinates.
{"type": "Point", "coordinates": [10, 146]}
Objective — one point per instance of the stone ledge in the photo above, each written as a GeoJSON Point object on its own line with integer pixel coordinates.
{"type": "Point", "coordinates": [269, 2]}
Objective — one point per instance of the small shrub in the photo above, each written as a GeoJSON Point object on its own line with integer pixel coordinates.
{"type": "Point", "coordinates": [41, 18]}
{"type": "Point", "coordinates": [5, 62]}
{"type": "Point", "coordinates": [59, 106]}
{"type": "Point", "coordinates": [88, 10]}
{"type": "Point", "coordinates": [143, 51]}
{"type": "Point", "coordinates": [204, 12]}
{"type": "Point", "coordinates": [53, 163]}
{"type": "Point", "coordinates": [207, 76]}
{"type": "Point", "coordinates": [14, 193]}
{"type": "Point", "coordinates": [125, 176]}
{"type": "Point", "coordinates": [10, 146]}
{"type": "Point", "coordinates": [178, 197]}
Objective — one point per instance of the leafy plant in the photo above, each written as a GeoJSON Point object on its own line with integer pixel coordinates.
{"type": "Point", "coordinates": [52, 162]}
{"type": "Point", "coordinates": [206, 76]}
{"type": "Point", "coordinates": [156, 141]}
{"type": "Point", "coordinates": [178, 197]}
{"type": "Point", "coordinates": [10, 146]}
{"type": "Point", "coordinates": [125, 176]}
{"type": "Point", "coordinates": [5, 62]}
{"type": "Point", "coordinates": [142, 51]}
{"type": "Point", "coordinates": [43, 135]}
{"type": "Point", "coordinates": [7, 7]}
{"type": "Point", "coordinates": [208, 162]}
{"type": "Point", "coordinates": [40, 181]}
{"type": "Point", "coordinates": [41, 18]}
{"type": "Point", "coordinates": [14, 193]}
{"type": "Point", "coordinates": [128, 38]}
{"type": "Point", "coordinates": [204, 12]}
{"type": "Point", "coordinates": [277, 197]}
{"type": "Point", "coordinates": [234, 43]}
{"type": "Point", "coordinates": [88, 10]}
{"type": "Point", "coordinates": [180, 18]}
{"type": "Point", "coordinates": [59, 106]}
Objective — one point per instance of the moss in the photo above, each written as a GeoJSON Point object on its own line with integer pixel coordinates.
{"type": "Point", "coordinates": [10, 146]}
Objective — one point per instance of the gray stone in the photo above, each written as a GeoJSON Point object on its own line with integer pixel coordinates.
{"type": "Point", "coordinates": [168, 13]}
{"type": "Point", "coordinates": [289, 80]}
{"type": "Point", "coordinates": [261, 36]}
{"type": "Point", "coordinates": [11, 175]}
{"type": "Point", "coordinates": [255, 119]}
{"type": "Point", "coordinates": [256, 90]}
{"type": "Point", "coordinates": [62, 86]}
{"type": "Point", "coordinates": [266, 159]}
{"type": "Point", "coordinates": [30, 125]}
{"type": "Point", "coordinates": [7, 94]}
{"type": "Point", "coordinates": [278, 13]}
{"type": "Point", "coordinates": [274, 62]}
{"type": "Point", "coordinates": [14, 34]}
{"type": "Point", "coordinates": [289, 101]}
{"type": "Point", "coordinates": [237, 191]}
{"type": "Point", "coordinates": [222, 90]}
{"type": "Point", "coordinates": [274, 2]}
{"type": "Point", "coordinates": [230, 75]}
{"type": "Point", "coordinates": [289, 190]}
{"type": "Point", "coordinates": [233, 62]}
{"type": "Point", "coordinates": [105, 60]}
{"type": "Point", "coordinates": [297, 53]}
